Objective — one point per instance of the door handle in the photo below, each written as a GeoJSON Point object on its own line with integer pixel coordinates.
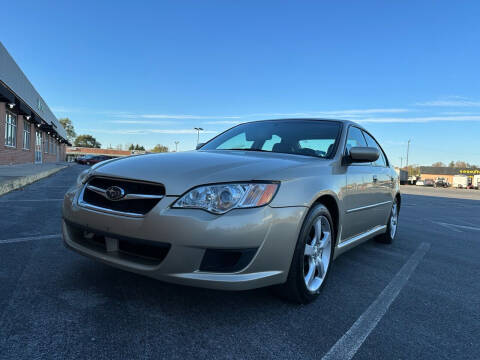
{"type": "Point", "coordinates": [375, 178]}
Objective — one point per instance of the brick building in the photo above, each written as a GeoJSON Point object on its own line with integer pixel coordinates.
{"type": "Point", "coordinates": [29, 131]}
{"type": "Point", "coordinates": [76, 151]}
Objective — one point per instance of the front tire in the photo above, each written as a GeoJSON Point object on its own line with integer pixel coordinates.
{"type": "Point", "coordinates": [312, 258]}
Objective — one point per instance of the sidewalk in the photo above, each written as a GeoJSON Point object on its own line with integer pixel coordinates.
{"type": "Point", "coordinates": [16, 176]}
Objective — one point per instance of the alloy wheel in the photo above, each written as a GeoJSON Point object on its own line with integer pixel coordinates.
{"type": "Point", "coordinates": [394, 220]}
{"type": "Point", "coordinates": [317, 254]}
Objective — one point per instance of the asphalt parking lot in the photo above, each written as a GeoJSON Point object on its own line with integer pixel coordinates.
{"type": "Point", "coordinates": [467, 194]}
{"type": "Point", "coordinates": [56, 304]}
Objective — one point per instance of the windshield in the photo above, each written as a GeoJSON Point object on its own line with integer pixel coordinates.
{"type": "Point", "coordinates": [299, 137]}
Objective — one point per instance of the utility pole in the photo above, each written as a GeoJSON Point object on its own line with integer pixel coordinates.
{"type": "Point", "coordinates": [198, 133]}
{"type": "Point", "coordinates": [401, 162]}
{"type": "Point", "coordinates": [408, 149]}
{"type": "Point", "coordinates": [176, 145]}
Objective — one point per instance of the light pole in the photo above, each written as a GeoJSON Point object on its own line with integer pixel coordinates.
{"type": "Point", "coordinates": [176, 145]}
{"type": "Point", "coordinates": [401, 162]}
{"type": "Point", "coordinates": [408, 149]}
{"type": "Point", "coordinates": [198, 133]}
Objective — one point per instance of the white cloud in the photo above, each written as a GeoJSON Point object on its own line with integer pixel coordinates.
{"type": "Point", "coordinates": [455, 101]}
{"type": "Point", "coordinates": [419, 119]}
{"type": "Point", "coordinates": [146, 131]}
{"type": "Point", "coordinates": [141, 122]}
{"type": "Point", "coordinates": [63, 109]}
{"type": "Point", "coordinates": [369, 111]}
{"type": "Point", "coordinates": [181, 116]}
{"type": "Point", "coordinates": [394, 143]}
{"type": "Point", "coordinates": [223, 122]}
{"type": "Point", "coordinates": [350, 113]}
{"type": "Point", "coordinates": [459, 113]}
{"type": "Point", "coordinates": [332, 112]}
{"type": "Point", "coordinates": [336, 113]}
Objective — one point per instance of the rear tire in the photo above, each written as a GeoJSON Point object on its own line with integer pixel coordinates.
{"type": "Point", "coordinates": [312, 258]}
{"type": "Point", "coordinates": [392, 225]}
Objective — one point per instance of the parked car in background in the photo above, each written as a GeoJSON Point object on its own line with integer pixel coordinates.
{"type": "Point", "coordinates": [428, 182]}
{"type": "Point", "coordinates": [264, 203]}
{"type": "Point", "coordinates": [96, 159]}
{"type": "Point", "coordinates": [83, 159]}
{"type": "Point", "coordinates": [441, 182]}
{"type": "Point", "coordinates": [460, 181]}
{"type": "Point", "coordinates": [420, 183]}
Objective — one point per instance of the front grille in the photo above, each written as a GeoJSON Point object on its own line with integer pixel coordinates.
{"type": "Point", "coordinates": [139, 251]}
{"type": "Point", "coordinates": [139, 197]}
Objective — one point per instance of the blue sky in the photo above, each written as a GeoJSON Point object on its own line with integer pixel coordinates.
{"type": "Point", "coordinates": [147, 72]}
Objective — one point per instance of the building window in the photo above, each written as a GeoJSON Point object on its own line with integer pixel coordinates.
{"type": "Point", "coordinates": [26, 135]}
{"type": "Point", "coordinates": [45, 144]}
{"type": "Point", "coordinates": [10, 130]}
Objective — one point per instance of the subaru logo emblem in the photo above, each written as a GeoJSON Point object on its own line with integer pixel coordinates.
{"type": "Point", "coordinates": [114, 193]}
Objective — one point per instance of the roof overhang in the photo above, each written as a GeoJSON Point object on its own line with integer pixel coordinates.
{"type": "Point", "coordinates": [16, 89]}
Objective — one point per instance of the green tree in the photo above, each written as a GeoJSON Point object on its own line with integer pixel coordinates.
{"type": "Point", "coordinates": [87, 141]}
{"type": "Point", "coordinates": [159, 149]}
{"type": "Point", "coordinates": [136, 147]}
{"type": "Point", "coordinates": [69, 129]}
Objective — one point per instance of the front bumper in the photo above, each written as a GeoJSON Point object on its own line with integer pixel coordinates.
{"type": "Point", "coordinates": [271, 233]}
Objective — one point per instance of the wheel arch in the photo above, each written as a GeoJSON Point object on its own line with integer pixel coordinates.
{"type": "Point", "coordinates": [398, 197]}
{"type": "Point", "coordinates": [331, 203]}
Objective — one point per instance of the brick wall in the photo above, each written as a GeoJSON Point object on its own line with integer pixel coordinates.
{"type": "Point", "coordinates": [2, 129]}
{"type": "Point", "coordinates": [48, 155]}
{"type": "Point", "coordinates": [19, 155]}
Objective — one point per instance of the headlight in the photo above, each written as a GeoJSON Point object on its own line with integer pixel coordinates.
{"type": "Point", "coordinates": [83, 176]}
{"type": "Point", "coordinates": [221, 198]}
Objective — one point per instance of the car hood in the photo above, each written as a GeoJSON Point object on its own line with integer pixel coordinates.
{"type": "Point", "coordinates": [184, 170]}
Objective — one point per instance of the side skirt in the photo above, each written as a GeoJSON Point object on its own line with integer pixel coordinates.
{"type": "Point", "coordinates": [358, 239]}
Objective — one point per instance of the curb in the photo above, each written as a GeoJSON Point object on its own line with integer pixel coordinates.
{"type": "Point", "coordinates": [26, 180]}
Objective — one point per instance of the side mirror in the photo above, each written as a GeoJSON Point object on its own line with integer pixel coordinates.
{"type": "Point", "coordinates": [363, 154]}
{"type": "Point", "coordinates": [199, 145]}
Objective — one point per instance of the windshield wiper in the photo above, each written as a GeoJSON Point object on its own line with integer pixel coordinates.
{"type": "Point", "coordinates": [246, 149]}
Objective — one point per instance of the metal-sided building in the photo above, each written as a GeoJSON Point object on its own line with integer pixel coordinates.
{"type": "Point", "coordinates": [29, 131]}
{"type": "Point", "coordinates": [446, 172]}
